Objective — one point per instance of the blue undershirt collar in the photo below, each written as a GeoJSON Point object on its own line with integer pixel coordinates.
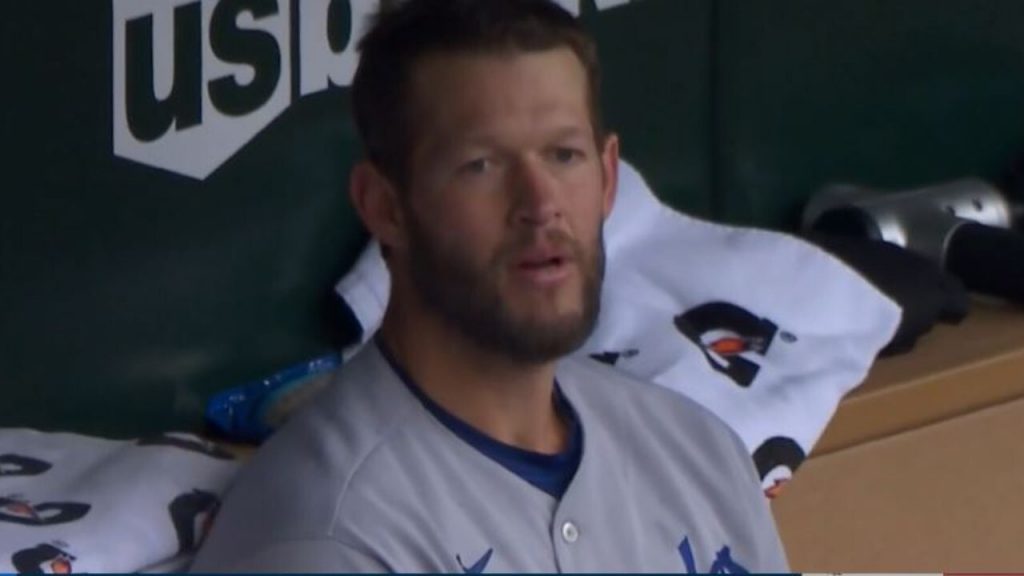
{"type": "Point", "coordinates": [551, 473]}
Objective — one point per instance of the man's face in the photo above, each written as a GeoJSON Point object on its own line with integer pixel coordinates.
{"type": "Point", "coordinates": [506, 199]}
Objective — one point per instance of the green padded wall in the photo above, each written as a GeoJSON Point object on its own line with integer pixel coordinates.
{"type": "Point", "coordinates": [888, 93]}
{"type": "Point", "coordinates": [130, 292]}
{"type": "Point", "coordinates": [657, 90]}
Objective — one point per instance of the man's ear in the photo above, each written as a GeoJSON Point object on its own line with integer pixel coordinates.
{"type": "Point", "coordinates": [610, 165]}
{"type": "Point", "coordinates": [375, 200]}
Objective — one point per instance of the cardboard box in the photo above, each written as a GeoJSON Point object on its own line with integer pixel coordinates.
{"type": "Point", "coordinates": [922, 467]}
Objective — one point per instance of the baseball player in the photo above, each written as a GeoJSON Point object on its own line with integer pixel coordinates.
{"type": "Point", "coordinates": [462, 439]}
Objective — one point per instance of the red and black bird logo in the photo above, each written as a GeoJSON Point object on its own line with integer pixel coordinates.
{"type": "Point", "coordinates": [43, 559]}
{"type": "Point", "coordinates": [20, 511]}
{"type": "Point", "coordinates": [729, 335]}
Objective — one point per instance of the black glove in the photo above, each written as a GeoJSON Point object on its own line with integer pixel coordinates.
{"type": "Point", "coordinates": [925, 292]}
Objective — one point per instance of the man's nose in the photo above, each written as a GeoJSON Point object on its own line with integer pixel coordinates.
{"type": "Point", "coordinates": [536, 194]}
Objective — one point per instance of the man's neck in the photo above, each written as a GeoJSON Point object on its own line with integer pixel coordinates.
{"type": "Point", "coordinates": [509, 401]}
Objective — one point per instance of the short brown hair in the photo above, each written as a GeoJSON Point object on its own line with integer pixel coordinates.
{"type": "Point", "coordinates": [403, 32]}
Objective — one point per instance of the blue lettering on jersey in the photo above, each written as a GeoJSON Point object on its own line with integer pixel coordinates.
{"type": "Point", "coordinates": [478, 566]}
{"type": "Point", "coordinates": [723, 564]}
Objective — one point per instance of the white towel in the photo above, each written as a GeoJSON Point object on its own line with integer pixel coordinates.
{"type": "Point", "coordinates": [81, 504]}
{"type": "Point", "coordinates": [765, 330]}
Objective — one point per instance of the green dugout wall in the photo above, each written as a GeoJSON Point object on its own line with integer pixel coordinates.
{"type": "Point", "coordinates": [173, 211]}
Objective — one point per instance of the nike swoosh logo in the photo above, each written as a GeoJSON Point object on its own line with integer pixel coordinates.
{"type": "Point", "coordinates": [686, 552]}
{"type": "Point", "coordinates": [478, 566]}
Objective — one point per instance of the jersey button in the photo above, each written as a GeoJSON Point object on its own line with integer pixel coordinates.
{"type": "Point", "coordinates": [570, 532]}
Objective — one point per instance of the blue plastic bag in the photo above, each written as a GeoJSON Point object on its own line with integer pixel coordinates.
{"type": "Point", "coordinates": [251, 412]}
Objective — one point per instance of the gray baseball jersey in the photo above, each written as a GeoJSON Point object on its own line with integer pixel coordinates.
{"type": "Point", "coordinates": [365, 478]}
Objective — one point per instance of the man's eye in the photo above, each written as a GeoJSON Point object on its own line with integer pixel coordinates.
{"type": "Point", "coordinates": [477, 166]}
{"type": "Point", "coordinates": [564, 155]}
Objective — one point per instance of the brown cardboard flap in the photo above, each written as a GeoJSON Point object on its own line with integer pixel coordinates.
{"type": "Point", "coordinates": [946, 497]}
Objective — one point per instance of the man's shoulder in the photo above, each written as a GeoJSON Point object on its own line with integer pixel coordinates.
{"type": "Point", "coordinates": [361, 412]}
{"type": "Point", "coordinates": [645, 410]}
{"type": "Point", "coordinates": [295, 484]}
{"type": "Point", "coordinates": [607, 386]}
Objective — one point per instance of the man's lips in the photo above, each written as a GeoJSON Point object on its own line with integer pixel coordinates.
{"type": "Point", "coordinates": [543, 266]}
{"type": "Point", "coordinates": [538, 258]}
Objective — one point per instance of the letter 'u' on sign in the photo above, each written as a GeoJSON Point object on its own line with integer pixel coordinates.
{"type": "Point", "coordinates": [195, 80]}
